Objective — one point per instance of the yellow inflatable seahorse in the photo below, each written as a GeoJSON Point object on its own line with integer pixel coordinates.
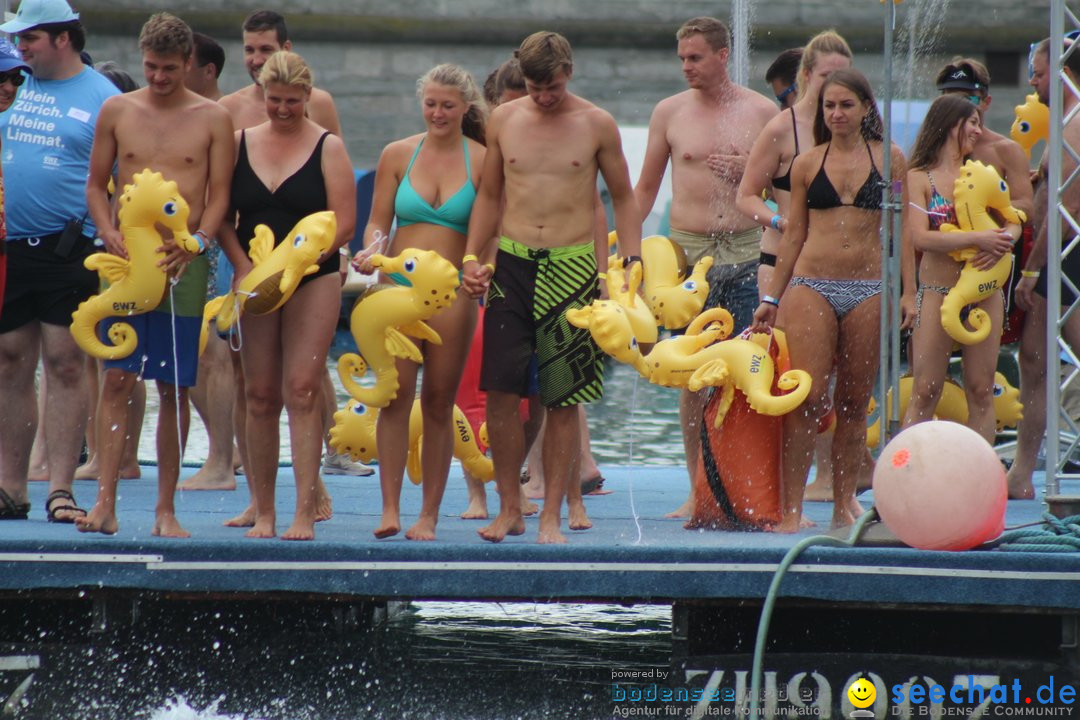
{"type": "Point", "coordinates": [638, 313]}
{"type": "Point", "coordinates": [674, 301]}
{"type": "Point", "coordinates": [466, 451]}
{"type": "Point", "coordinates": [952, 405]}
{"type": "Point", "coordinates": [382, 317]}
{"type": "Point", "coordinates": [672, 362]}
{"type": "Point", "coordinates": [136, 285]}
{"type": "Point", "coordinates": [1032, 123]}
{"type": "Point", "coordinates": [623, 323]}
{"type": "Point", "coordinates": [747, 366]}
{"type": "Point", "coordinates": [977, 188]}
{"type": "Point", "coordinates": [276, 271]}
{"type": "Point", "coordinates": [354, 433]}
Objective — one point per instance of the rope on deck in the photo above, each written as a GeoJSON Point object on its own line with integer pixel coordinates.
{"type": "Point", "coordinates": [1055, 535]}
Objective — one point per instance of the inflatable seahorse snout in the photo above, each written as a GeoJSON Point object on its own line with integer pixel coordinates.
{"type": "Point", "coordinates": [309, 239]}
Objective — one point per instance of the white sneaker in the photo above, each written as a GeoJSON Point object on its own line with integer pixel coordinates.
{"type": "Point", "coordinates": [336, 464]}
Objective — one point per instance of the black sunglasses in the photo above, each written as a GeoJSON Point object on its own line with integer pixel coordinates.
{"type": "Point", "coordinates": [14, 77]}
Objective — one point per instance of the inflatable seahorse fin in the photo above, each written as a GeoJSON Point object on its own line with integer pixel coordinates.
{"type": "Point", "coordinates": [712, 372]}
{"type": "Point", "coordinates": [261, 245]}
{"type": "Point", "coordinates": [112, 267]}
{"type": "Point", "coordinates": [422, 331]}
{"type": "Point", "coordinates": [402, 347]}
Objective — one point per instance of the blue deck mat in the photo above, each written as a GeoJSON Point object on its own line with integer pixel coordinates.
{"type": "Point", "coordinates": [632, 553]}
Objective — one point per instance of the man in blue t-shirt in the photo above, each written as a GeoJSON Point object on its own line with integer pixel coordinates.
{"type": "Point", "coordinates": [46, 138]}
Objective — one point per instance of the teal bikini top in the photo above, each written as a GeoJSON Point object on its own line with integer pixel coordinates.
{"type": "Point", "coordinates": [410, 208]}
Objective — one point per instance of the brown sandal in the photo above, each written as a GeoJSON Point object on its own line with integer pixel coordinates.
{"type": "Point", "coordinates": [52, 511]}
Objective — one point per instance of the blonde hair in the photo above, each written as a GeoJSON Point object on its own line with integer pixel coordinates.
{"type": "Point", "coordinates": [827, 42]}
{"type": "Point", "coordinates": [454, 76]}
{"type": "Point", "coordinates": [716, 33]}
{"type": "Point", "coordinates": [543, 54]}
{"type": "Point", "coordinates": [286, 68]}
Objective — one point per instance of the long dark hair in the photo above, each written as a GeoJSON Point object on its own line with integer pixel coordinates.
{"type": "Point", "coordinates": [856, 82]}
{"type": "Point", "coordinates": [942, 118]}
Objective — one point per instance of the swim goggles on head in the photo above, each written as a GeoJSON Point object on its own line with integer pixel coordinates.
{"type": "Point", "coordinates": [787, 91]}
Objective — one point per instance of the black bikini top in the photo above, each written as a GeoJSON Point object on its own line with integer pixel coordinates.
{"type": "Point", "coordinates": [821, 195]}
{"type": "Point", "coordinates": [783, 182]}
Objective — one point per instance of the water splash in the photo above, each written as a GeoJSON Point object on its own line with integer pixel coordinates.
{"type": "Point", "coordinates": [917, 41]}
{"type": "Point", "coordinates": [178, 709]}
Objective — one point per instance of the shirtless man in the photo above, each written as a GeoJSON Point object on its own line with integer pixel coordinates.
{"type": "Point", "coordinates": [264, 34]}
{"type": "Point", "coordinates": [544, 152]}
{"type": "Point", "coordinates": [707, 133]}
{"type": "Point", "coordinates": [188, 139]}
{"type": "Point", "coordinates": [1032, 288]}
{"type": "Point", "coordinates": [214, 393]}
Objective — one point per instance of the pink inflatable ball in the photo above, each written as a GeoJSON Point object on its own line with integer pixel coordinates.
{"type": "Point", "coordinates": [939, 486]}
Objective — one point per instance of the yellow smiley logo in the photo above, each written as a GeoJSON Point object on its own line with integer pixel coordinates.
{"type": "Point", "coordinates": [861, 693]}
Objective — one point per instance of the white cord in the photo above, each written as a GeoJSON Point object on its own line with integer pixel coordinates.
{"type": "Point", "coordinates": [633, 509]}
{"type": "Point", "coordinates": [928, 212]}
{"type": "Point", "coordinates": [176, 372]}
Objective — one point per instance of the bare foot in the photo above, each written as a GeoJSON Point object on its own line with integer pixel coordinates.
{"type": "Point", "coordinates": [534, 489]}
{"type": "Point", "coordinates": [88, 470]}
{"type": "Point", "coordinates": [166, 525]}
{"type": "Point", "coordinates": [789, 524]}
{"type": "Point", "coordinates": [324, 505]}
{"type": "Point", "coordinates": [210, 479]}
{"type": "Point", "coordinates": [805, 523]}
{"type": "Point", "coordinates": [683, 510]}
{"type": "Point", "coordinates": [503, 525]}
{"type": "Point", "coordinates": [477, 509]}
{"type": "Point", "coordinates": [130, 472]}
{"type": "Point", "coordinates": [244, 519]}
{"type": "Point", "coordinates": [1020, 488]}
{"type": "Point", "coordinates": [841, 518]}
{"type": "Point", "coordinates": [301, 529]}
{"type": "Point", "coordinates": [550, 534]}
{"type": "Point", "coordinates": [423, 529]}
{"type": "Point", "coordinates": [263, 527]}
{"type": "Point", "coordinates": [390, 526]}
{"type": "Point", "coordinates": [855, 508]}
{"type": "Point", "coordinates": [819, 491]}
{"type": "Point", "coordinates": [528, 507]}
{"type": "Point", "coordinates": [578, 518]}
{"type": "Point", "coordinates": [99, 520]}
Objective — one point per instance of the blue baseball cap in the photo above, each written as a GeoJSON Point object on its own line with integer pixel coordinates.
{"type": "Point", "coordinates": [10, 59]}
{"type": "Point", "coordinates": [33, 13]}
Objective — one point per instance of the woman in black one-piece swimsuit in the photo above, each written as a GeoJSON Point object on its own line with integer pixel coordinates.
{"type": "Point", "coordinates": [286, 169]}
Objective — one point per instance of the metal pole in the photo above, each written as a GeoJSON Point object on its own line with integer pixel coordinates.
{"type": "Point", "coordinates": [740, 11]}
{"type": "Point", "coordinates": [888, 375]}
{"type": "Point", "coordinates": [1053, 249]}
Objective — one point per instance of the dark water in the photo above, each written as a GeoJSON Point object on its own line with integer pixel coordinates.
{"type": "Point", "coordinates": [446, 661]}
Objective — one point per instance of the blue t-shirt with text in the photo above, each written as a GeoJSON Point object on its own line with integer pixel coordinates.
{"type": "Point", "coordinates": [45, 142]}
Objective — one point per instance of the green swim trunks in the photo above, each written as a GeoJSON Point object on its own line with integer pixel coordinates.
{"type": "Point", "coordinates": [526, 314]}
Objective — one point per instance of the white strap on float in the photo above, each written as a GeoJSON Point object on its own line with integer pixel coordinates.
{"type": "Point", "coordinates": [176, 372]}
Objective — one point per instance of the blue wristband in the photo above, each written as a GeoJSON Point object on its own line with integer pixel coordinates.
{"type": "Point", "coordinates": [775, 221]}
{"type": "Point", "coordinates": [770, 300]}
